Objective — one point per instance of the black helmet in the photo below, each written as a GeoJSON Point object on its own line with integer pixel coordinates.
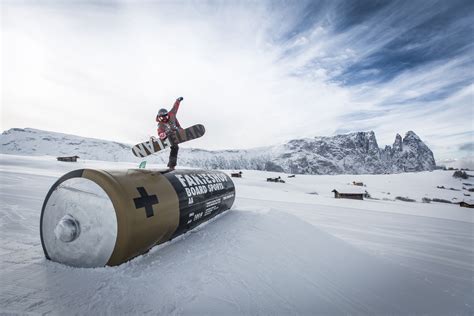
{"type": "Point", "coordinates": [162, 112]}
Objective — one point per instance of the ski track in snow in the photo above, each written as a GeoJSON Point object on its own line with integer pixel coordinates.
{"type": "Point", "coordinates": [278, 251]}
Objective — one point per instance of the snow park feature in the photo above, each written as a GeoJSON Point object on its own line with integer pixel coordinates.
{"type": "Point", "coordinates": [93, 218]}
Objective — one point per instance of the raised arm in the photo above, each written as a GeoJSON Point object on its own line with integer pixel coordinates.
{"type": "Point", "coordinates": [176, 105]}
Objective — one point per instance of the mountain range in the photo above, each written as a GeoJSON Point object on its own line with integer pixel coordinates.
{"type": "Point", "coordinates": [353, 153]}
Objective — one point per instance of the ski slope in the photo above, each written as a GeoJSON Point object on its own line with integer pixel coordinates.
{"type": "Point", "coordinates": [284, 248]}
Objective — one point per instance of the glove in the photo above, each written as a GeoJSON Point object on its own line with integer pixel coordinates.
{"type": "Point", "coordinates": [162, 135]}
{"type": "Point", "coordinates": [180, 99]}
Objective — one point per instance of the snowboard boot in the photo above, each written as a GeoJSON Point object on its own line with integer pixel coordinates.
{"type": "Point", "coordinates": [172, 163]}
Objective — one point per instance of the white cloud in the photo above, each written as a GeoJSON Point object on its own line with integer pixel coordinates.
{"type": "Point", "coordinates": [104, 71]}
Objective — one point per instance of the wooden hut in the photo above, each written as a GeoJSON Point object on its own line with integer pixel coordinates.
{"type": "Point", "coordinates": [68, 158]}
{"type": "Point", "coordinates": [348, 195]}
{"type": "Point", "coordinates": [236, 175]}
{"type": "Point", "coordinates": [278, 179]}
{"type": "Point", "coordinates": [464, 204]}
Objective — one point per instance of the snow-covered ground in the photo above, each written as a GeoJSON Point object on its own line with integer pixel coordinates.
{"type": "Point", "coordinates": [284, 248]}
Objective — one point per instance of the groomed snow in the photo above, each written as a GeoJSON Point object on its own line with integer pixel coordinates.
{"type": "Point", "coordinates": [284, 248]}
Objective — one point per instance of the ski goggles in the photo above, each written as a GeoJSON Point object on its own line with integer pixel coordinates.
{"type": "Point", "coordinates": [163, 117]}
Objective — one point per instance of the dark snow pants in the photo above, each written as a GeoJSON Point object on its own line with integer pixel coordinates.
{"type": "Point", "coordinates": [173, 156]}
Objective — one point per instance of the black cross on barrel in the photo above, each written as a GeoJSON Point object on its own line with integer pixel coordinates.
{"type": "Point", "coordinates": [146, 201]}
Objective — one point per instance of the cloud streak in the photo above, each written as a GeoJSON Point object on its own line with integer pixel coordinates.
{"type": "Point", "coordinates": [254, 73]}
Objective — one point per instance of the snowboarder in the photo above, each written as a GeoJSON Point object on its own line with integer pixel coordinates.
{"type": "Point", "coordinates": [168, 123]}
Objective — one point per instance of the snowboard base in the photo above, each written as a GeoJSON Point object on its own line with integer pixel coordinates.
{"type": "Point", "coordinates": [155, 145]}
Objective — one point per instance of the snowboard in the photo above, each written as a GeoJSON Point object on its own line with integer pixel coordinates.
{"type": "Point", "coordinates": [155, 145]}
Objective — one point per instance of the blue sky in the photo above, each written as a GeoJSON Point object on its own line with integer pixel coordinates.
{"type": "Point", "coordinates": [255, 73]}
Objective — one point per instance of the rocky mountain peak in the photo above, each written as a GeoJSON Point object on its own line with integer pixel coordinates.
{"type": "Point", "coordinates": [372, 143]}
{"type": "Point", "coordinates": [398, 143]}
{"type": "Point", "coordinates": [411, 134]}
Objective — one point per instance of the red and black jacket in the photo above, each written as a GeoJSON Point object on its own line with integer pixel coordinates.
{"type": "Point", "coordinates": [172, 124]}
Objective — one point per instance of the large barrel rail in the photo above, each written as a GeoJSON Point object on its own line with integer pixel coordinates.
{"type": "Point", "coordinates": [93, 218]}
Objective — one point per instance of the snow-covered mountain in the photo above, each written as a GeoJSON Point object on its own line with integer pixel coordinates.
{"type": "Point", "coordinates": [354, 153]}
